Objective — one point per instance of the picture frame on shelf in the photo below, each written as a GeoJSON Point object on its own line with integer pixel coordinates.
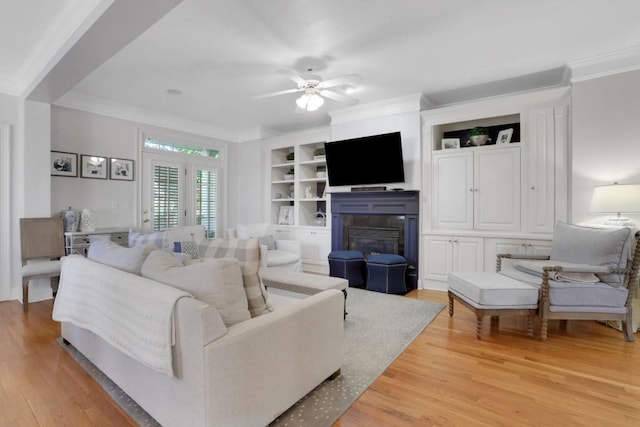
{"type": "Point", "coordinates": [450, 143]}
{"type": "Point", "coordinates": [64, 164]}
{"type": "Point", "coordinates": [286, 215]}
{"type": "Point", "coordinates": [121, 169]}
{"type": "Point", "coordinates": [94, 167]}
{"type": "Point", "coordinates": [504, 136]}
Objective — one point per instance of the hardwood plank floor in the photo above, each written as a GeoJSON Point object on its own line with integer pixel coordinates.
{"type": "Point", "coordinates": [584, 374]}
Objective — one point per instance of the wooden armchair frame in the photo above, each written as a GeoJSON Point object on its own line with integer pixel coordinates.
{"type": "Point", "coordinates": [630, 276]}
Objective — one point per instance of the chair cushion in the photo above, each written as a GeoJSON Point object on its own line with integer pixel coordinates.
{"type": "Point", "coordinates": [386, 259]}
{"type": "Point", "coordinates": [217, 282]}
{"type": "Point", "coordinates": [277, 257]}
{"type": "Point", "coordinates": [41, 267]}
{"type": "Point", "coordinates": [247, 252]}
{"type": "Point", "coordinates": [346, 255]}
{"type": "Point", "coordinates": [269, 241]}
{"type": "Point", "coordinates": [605, 247]}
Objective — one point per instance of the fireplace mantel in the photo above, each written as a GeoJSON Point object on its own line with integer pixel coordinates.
{"type": "Point", "coordinates": [396, 203]}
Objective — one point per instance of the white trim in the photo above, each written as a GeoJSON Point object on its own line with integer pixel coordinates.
{"type": "Point", "coordinates": [606, 64]}
{"type": "Point", "coordinates": [404, 104]}
{"type": "Point", "coordinates": [5, 213]}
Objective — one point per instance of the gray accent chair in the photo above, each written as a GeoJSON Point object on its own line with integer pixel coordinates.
{"type": "Point", "coordinates": [610, 255]}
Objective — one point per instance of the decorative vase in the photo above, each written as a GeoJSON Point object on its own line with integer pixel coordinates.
{"type": "Point", "coordinates": [87, 220]}
{"type": "Point", "coordinates": [70, 219]}
{"type": "Point", "coordinates": [479, 139]}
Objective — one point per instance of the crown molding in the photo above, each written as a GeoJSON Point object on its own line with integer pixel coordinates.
{"type": "Point", "coordinates": [400, 105]}
{"type": "Point", "coordinates": [615, 62]}
{"type": "Point", "coordinates": [104, 107]}
{"type": "Point", "coordinates": [9, 86]}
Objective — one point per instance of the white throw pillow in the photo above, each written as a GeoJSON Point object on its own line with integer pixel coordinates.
{"type": "Point", "coordinates": [158, 238]}
{"type": "Point", "coordinates": [114, 255]}
{"type": "Point", "coordinates": [247, 231]}
{"type": "Point", "coordinates": [218, 282]}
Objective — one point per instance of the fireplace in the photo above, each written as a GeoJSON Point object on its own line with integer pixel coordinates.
{"type": "Point", "coordinates": [378, 222]}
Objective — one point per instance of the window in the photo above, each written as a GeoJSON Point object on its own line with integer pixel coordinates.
{"type": "Point", "coordinates": [180, 185]}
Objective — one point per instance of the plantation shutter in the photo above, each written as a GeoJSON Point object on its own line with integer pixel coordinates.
{"type": "Point", "coordinates": [206, 200]}
{"type": "Point", "coordinates": [166, 197]}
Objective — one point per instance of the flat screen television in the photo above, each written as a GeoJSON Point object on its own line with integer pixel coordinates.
{"type": "Point", "coordinates": [367, 160]}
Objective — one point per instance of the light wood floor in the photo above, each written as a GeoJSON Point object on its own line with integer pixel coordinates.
{"type": "Point", "coordinates": [585, 374]}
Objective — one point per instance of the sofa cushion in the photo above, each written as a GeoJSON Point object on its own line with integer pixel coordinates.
{"type": "Point", "coordinates": [277, 257]}
{"type": "Point", "coordinates": [247, 252]}
{"type": "Point", "coordinates": [158, 238]}
{"type": "Point", "coordinates": [112, 254]}
{"type": "Point", "coordinates": [247, 231]}
{"type": "Point", "coordinates": [218, 282]}
{"type": "Point", "coordinates": [269, 241]}
{"type": "Point", "coordinates": [577, 244]}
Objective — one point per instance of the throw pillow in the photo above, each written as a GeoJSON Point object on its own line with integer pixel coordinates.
{"type": "Point", "coordinates": [247, 252]}
{"type": "Point", "coordinates": [218, 283]}
{"type": "Point", "coordinates": [190, 248]}
{"type": "Point", "coordinates": [247, 231]}
{"type": "Point", "coordinates": [269, 241]}
{"type": "Point", "coordinates": [114, 255]}
{"type": "Point", "coordinates": [193, 233]}
{"type": "Point", "coordinates": [604, 247]}
{"type": "Point", "coordinates": [158, 238]}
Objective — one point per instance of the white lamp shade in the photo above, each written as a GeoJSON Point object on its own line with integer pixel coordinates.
{"type": "Point", "coordinates": [616, 198]}
{"type": "Point", "coordinates": [310, 101]}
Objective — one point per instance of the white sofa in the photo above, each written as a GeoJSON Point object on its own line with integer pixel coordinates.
{"type": "Point", "coordinates": [243, 375]}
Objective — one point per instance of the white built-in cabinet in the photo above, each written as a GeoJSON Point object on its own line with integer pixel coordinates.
{"type": "Point", "coordinates": [495, 246]}
{"type": "Point", "coordinates": [503, 198]}
{"type": "Point", "coordinates": [477, 188]}
{"type": "Point", "coordinates": [452, 253]}
{"type": "Point", "coordinates": [297, 206]}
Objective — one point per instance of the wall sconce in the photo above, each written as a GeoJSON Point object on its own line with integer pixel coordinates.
{"type": "Point", "coordinates": [618, 199]}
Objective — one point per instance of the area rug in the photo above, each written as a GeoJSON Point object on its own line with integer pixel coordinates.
{"type": "Point", "coordinates": [378, 328]}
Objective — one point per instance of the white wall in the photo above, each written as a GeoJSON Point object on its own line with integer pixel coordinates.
{"type": "Point", "coordinates": [115, 203]}
{"type": "Point", "coordinates": [9, 239]}
{"type": "Point", "coordinates": [606, 141]}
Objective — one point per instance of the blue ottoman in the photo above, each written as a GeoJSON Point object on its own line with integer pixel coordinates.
{"type": "Point", "coordinates": [347, 265]}
{"type": "Point", "coordinates": [385, 273]}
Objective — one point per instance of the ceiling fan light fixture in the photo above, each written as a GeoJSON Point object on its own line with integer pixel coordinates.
{"type": "Point", "coordinates": [310, 101]}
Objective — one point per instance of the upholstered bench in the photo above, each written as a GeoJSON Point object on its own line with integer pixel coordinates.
{"type": "Point", "coordinates": [493, 294]}
{"type": "Point", "coordinates": [348, 264]}
{"type": "Point", "coordinates": [385, 273]}
{"type": "Point", "coordinates": [302, 283]}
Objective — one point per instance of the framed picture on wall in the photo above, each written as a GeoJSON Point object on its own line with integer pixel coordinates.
{"type": "Point", "coordinates": [64, 164]}
{"type": "Point", "coordinates": [93, 167]}
{"type": "Point", "coordinates": [121, 169]}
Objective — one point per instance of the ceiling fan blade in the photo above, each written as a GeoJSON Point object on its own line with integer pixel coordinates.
{"type": "Point", "coordinates": [293, 76]}
{"type": "Point", "coordinates": [346, 79]}
{"type": "Point", "coordinates": [338, 97]}
{"type": "Point", "coordinates": [282, 92]}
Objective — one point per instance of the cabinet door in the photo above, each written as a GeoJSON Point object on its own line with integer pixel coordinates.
{"type": "Point", "coordinates": [541, 171]}
{"type": "Point", "coordinates": [315, 246]}
{"type": "Point", "coordinates": [468, 254]}
{"type": "Point", "coordinates": [493, 247]}
{"type": "Point", "coordinates": [538, 247]}
{"type": "Point", "coordinates": [453, 190]}
{"type": "Point", "coordinates": [437, 258]}
{"type": "Point", "coordinates": [497, 189]}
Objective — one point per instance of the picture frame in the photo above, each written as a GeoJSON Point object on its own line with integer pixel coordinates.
{"type": "Point", "coordinates": [286, 215]}
{"type": "Point", "coordinates": [121, 169]}
{"type": "Point", "coordinates": [504, 136]}
{"type": "Point", "coordinates": [94, 167]}
{"type": "Point", "coordinates": [450, 143]}
{"type": "Point", "coordinates": [64, 164]}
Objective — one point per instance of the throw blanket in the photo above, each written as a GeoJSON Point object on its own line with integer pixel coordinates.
{"type": "Point", "coordinates": [131, 313]}
{"type": "Point", "coordinates": [535, 267]}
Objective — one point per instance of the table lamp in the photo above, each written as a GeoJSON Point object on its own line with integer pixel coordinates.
{"type": "Point", "coordinates": [618, 199]}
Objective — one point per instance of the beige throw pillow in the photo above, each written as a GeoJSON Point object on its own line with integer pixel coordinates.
{"type": "Point", "coordinates": [218, 283]}
{"type": "Point", "coordinates": [247, 252]}
{"type": "Point", "coordinates": [112, 254]}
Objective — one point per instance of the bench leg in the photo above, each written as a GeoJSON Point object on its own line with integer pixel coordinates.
{"type": "Point", "coordinates": [25, 296]}
{"type": "Point", "coordinates": [450, 304]}
{"type": "Point", "coordinates": [543, 329]}
{"type": "Point", "coordinates": [532, 314]}
{"type": "Point", "coordinates": [344, 291]}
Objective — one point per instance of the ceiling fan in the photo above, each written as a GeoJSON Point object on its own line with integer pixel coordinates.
{"type": "Point", "coordinates": [315, 89]}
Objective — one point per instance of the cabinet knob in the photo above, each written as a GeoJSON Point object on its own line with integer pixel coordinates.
{"type": "Point", "coordinates": [533, 188]}
{"type": "Point", "coordinates": [475, 189]}
{"type": "Point", "coordinates": [455, 241]}
{"type": "Point", "coordinates": [471, 190]}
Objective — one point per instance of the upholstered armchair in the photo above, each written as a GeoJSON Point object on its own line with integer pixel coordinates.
{"type": "Point", "coordinates": [591, 273]}
{"type": "Point", "coordinates": [274, 252]}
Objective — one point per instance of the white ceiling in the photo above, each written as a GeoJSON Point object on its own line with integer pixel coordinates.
{"type": "Point", "coordinates": [221, 54]}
